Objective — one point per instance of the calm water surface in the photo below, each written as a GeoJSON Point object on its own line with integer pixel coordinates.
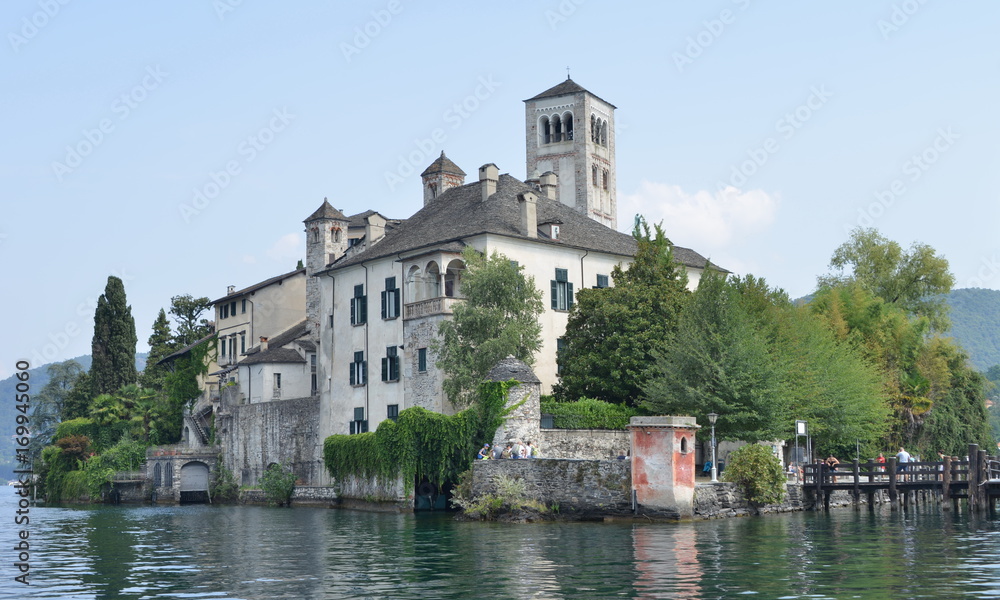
{"type": "Point", "coordinates": [305, 553]}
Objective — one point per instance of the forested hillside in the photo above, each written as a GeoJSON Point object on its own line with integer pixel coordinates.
{"type": "Point", "coordinates": [975, 318]}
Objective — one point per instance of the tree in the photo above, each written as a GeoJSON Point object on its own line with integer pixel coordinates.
{"type": "Point", "coordinates": [719, 362]}
{"type": "Point", "coordinates": [499, 318]}
{"type": "Point", "coordinates": [77, 402]}
{"type": "Point", "coordinates": [187, 310]}
{"type": "Point", "coordinates": [613, 333]}
{"type": "Point", "coordinates": [916, 280]}
{"type": "Point", "coordinates": [50, 403]}
{"type": "Point", "coordinates": [161, 344]}
{"type": "Point", "coordinates": [114, 341]}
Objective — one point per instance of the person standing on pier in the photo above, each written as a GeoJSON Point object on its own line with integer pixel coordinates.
{"type": "Point", "coordinates": [902, 457]}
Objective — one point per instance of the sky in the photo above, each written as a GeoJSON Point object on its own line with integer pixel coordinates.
{"type": "Point", "coordinates": [179, 145]}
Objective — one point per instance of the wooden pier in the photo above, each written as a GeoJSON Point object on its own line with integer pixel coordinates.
{"type": "Point", "coordinates": [974, 478]}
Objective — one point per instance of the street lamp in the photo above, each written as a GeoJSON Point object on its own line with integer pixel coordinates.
{"type": "Point", "coordinates": [711, 419]}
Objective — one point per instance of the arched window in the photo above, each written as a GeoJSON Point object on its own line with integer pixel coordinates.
{"type": "Point", "coordinates": [432, 280]}
{"type": "Point", "coordinates": [568, 125]}
{"type": "Point", "coordinates": [605, 178]}
{"type": "Point", "coordinates": [168, 474]}
{"type": "Point", "coordinates": [556, 129]}
{"type": "Point", "coordinates": [434, 189]}
{"type": "Point", "coordinates": [544, 129]}
{"type": "Point", "coordinates": [453, 279]}
{"type": "Point", "coordinates": [157, 475]}
{"type": "Point", "coordinates": [593, 171]}
{"type": "Point", "coordinates": [604, 133]}
{"type": "Point", "coordinates": [414, 291]}
{"type": "Point", "coordinates": [593, 128]}
{"type": "Point", "coordinates": [684, 445]}
{"type": "Point", "coordinates": [336, 234]}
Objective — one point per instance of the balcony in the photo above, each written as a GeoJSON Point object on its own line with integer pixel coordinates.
{"type": "Point", "coordinates": [428, 308]}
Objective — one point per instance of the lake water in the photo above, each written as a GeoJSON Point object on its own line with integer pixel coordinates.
{"type": "Point", "coordinates": [305, 553]}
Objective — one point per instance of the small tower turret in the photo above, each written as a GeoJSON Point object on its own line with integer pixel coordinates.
{"type": "Point", "coordinates": [326, 241]}
{"type": "Point", "coordinates": [441, 176]}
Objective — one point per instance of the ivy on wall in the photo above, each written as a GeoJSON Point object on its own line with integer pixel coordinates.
{"type": "Point", "coordinates": [421, 444]}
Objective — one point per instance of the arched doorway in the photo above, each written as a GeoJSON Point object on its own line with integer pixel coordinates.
{"type": "Point", "coordinates": [194, 482]}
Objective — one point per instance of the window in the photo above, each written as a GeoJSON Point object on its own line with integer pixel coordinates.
{"type": "Point", "coordinates": [562, 291]}
{"type": "Point", "coordinates": [313, 382]}
{"type": "Point", "coordinates": [352, 242]}
{"type": "Point", "coordinates": [359, 424]}
{"type": "Point", "coordinates": [244, 308]}
{"type": "Point", "coordinates": [392, 412]}
{"type": "Point", "coordinates": [390, 365]}
{"type": "Point", "coordinates": [390, 299]}
{"type": "Point", "coordinates": [359, 369]}
{"type": "Point", "coordinates": [232, 346]}
{"type": "Point", "coordinates": [331, 320]}
{"type": "Point", "coordinates": [277, 381]}
{"type": "Point", "coordinates": [593, 172]}
{"type": "Point", "coordinates": [422, 360]}
{"type": "Point", "coordinates": [168, 474]}
{"type": "Point", "coordinates": [157, 475]}
{"type": "Point", "coordinates": [243, 343]}
{"type": "Point", "coordinates": [232, 308]}
{"type": "Point", "coordinates": [225, 311]}
{"type": "Point", "coordinates": [222, 348]}
{"type": "Point", "coordinates": [602, 282]}
{"type": "Point", "coordinates": [359, 306]}
{"type": "Point", "coordinates": [605, 179]}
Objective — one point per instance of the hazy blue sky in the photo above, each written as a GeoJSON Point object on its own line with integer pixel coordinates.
{"type": "Point", "coordinates": [760, 133]}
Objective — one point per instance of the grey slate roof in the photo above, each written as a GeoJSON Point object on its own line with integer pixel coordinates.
{"type": "Point", "coordinates": [460, 213]}
{"type": "Point", "coordinates": [326, 211]}
{"type": "Point", "coordinates": [257, 286]}
{"type": "Point", "coordinates": [564, 89]}
{"type": "Point", "coordinates": [358, 220]}
{"type": "Point", "coordinates": [443, 165]}
{"type": "Point", "coordinates": [275, 353]}
{"type": "Point", "coordinates": [285, 337]}
{"type": "Point", "coordinates": [511, 368]}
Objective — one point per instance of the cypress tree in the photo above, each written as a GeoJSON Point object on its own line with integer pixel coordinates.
{"type": "Point", "coordinates": [161, 343]}
{"type": "Point", "coordinates": [113, 347]}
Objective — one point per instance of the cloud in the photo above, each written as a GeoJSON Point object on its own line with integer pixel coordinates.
{"type": "Point", "coordinates": [288, 247]}
{"type": "Point", "coordinates": [704, 221]}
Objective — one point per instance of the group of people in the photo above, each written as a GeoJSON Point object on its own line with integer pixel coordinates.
{"type": "Point", "coordinates": [514, 449]}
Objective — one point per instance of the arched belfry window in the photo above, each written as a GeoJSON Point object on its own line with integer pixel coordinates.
{"type": "Point", "coordinates": [568, 125]}
{"type": "Point", "coordinates": [556, 129]}
{"type": "Point", "coordinates": [604, 133]}
{"type": "Point", "coordinates": [593, 128]}
{"type": "Point", "coordinates": [545, 130]}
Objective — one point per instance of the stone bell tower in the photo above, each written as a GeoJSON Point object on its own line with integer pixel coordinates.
{"type": "Point", "coordinates": [571, 132]}
{"type": "Point", "coordinates": [326, 241]}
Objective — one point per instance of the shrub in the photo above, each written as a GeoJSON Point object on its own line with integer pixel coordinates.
{"type": "Point", "coordinates": [223, 487]}
{"type": "Point", "coordinates": [510, 496]}
{"type": "Point", "coordinates": [757, 472]}
{"type": "Point", "coordinates": [278, 483]}
{"type": "Point", "coordinates": [587, 413]}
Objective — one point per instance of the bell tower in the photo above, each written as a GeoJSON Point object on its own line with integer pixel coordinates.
{"type": "Point", "coordinates": [326, 241]}
{"type": "Point", "coordinates": [571, 132]}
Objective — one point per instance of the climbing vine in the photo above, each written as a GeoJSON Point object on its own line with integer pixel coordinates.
{"type": "Point", "coordinates": [421, 444]}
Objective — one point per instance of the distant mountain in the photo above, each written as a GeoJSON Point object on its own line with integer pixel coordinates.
{"type": "Point", "coordinates": [975, 324]}
{"type": "Point", "coordinates": [38, 377]}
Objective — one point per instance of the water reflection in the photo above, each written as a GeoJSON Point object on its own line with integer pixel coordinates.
{"type": "Point", "coordinates": [255, 553]}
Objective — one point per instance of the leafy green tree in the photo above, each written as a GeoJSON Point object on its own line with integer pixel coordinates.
{"type": "Point", "coordinates": [757, 472]}
{"type": "Point", "coordinates": [719, 362]}
{"type": "Point", "coordinates": [187, 311]}
{"type": "Point", "coordinates": [49, 406]}
{"type": "Point", "coordinates": [613, 333]}
{"type": "Point", "coordinates": [278, 484]}
{"type": "Point", "coordinates": [114, 341]}
{"type": "Point", "coordinates": [915, 280]}
{"type": "Point", "coordinates": [499, 318]}
{"type": "Point", "coordinates": [161, 344]}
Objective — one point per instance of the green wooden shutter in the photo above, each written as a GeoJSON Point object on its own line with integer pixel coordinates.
{"type": "Point", "coordinates": [569, 295]}
{"type": "Point", "coordinates": [555, 294]}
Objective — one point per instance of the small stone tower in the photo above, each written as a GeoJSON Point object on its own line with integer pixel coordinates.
{"type": "Point", "coordinates": [326, 241]}
{"type": "Point", "coordinates": [441, 176]}
{"type": "Point", "coordinates": [571, 132]}
{"type": "Point", "coordinates": [524, 423]}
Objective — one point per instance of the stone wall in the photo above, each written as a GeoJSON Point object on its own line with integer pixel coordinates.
{"type": "Point", "coordinates": [253, 436]}
{"type": "Point", "coordinates": [374, 494]}
{"type": "Point", "coordinates": [593, 444]}
{"type": "Point", "coordinates": [721, 500]}
{"type": "Point", "coordinates": [582, 486]}
{"type": "Point", "coordinates": [170, 460]}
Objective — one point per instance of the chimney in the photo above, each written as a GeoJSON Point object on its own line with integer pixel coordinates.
{"type": "Point", "coordinates": [529, 221]}
{"type": "Point", "coordinates": [488, 175]}
{"type": "Point", "coordinates": [549, 184]}
{"type": "Point", "coordinates": [374, 228]}
{"type": "Point", "coordinates": [263, 343]}
{"type": "Point", "coordinates": [230, 289]}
